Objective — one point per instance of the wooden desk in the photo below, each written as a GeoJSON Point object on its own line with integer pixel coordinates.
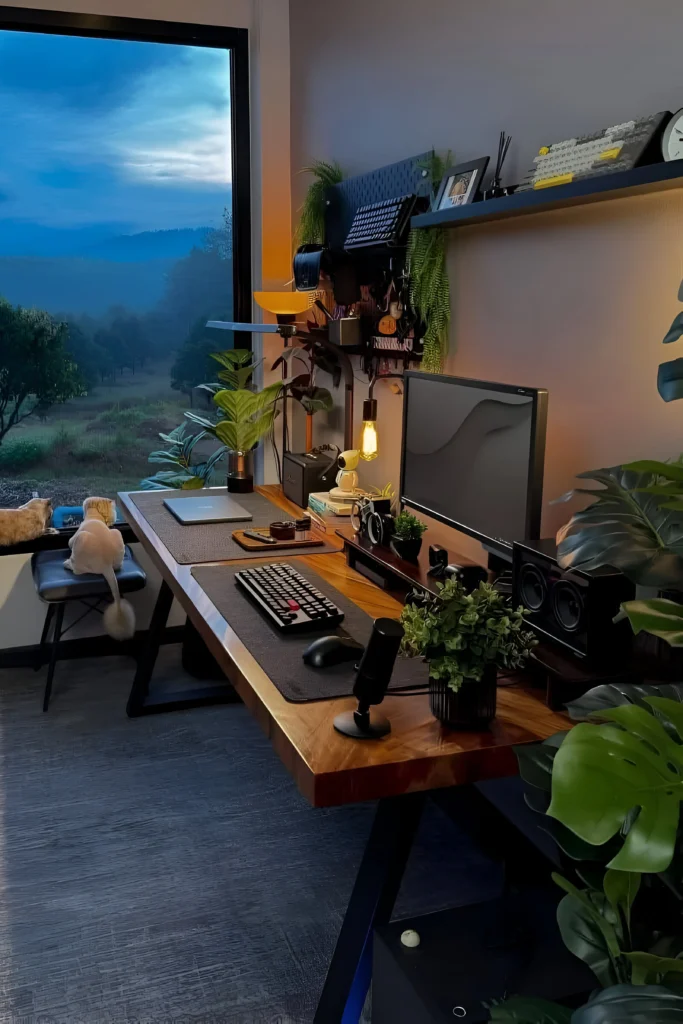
{"type": "Point", "coordinates": [418, 756]}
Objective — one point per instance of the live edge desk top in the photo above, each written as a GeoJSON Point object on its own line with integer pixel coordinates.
{"type": "Point", "coordinates": [331, 769]}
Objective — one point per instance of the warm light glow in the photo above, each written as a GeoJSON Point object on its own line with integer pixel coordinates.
{"type": "Point", "coordinates": [368, 440]}
{"type": "Point", "coordinates": [283, 303]}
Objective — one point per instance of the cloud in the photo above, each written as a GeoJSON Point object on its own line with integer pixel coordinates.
{"type": "Point", "coordinates": [158, 157]}
{"type": "Point", "coordinates": [177, 126]}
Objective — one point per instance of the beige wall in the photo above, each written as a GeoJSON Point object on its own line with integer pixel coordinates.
{"type": "Point", "coordinates": [21, 614]}
{"type": "Point", "coordinates": [576, 301]}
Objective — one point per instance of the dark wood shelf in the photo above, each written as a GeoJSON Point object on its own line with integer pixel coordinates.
{"type": "Point", "coordinates": [639, 181]}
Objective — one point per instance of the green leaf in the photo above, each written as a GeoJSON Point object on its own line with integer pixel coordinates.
{"type": "Point", "coordinates": [669, 470]}
{"type": "Point", "coordinates": [675, 331]}
{"type": "Point", "coordinates": [601, 774]}
{"type": "Point", "coordinates": [237, 405]}
{"type": "Point", "coordinates": [625, 528]}
{"type": "Point", "coordinates": [602, 698]}
{"type": "Point", "coordinates": [590, 930]}
{"type": "Point", "coordinates": [527, 1010]}
{"type": "Point", "coordinates": [202, 421]}
{"type": "Point", "coordinates": [621, 888]}
{"type": "Point", "coordinates": [193, 483]}
{"type": "Point", "coordinates": [649, 969]}
{"type": "Point", "coordinates": [628, 1004]}
{"type": "Point", "coordinates": [317, 400]}
{"type": "Point", "coordinates": [658, 616]}
{"type": "Point", "coordinates": [535, 761]}
{"type": "Point", "coordinates": [670, 380]}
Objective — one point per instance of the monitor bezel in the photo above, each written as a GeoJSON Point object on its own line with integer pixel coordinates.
{"type": "Point", "coordinates": [534, 500]}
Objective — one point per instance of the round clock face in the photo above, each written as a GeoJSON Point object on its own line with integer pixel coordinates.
{"type": "Point", "coordinates": [672, 142]}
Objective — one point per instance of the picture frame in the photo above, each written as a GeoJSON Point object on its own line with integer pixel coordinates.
{"type": "Point", "coordinates": [461, 184]}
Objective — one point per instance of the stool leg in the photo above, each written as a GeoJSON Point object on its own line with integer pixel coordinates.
{"type": "Point", "coordinates": [53, 654]}
{"type": "Point", "coordinates": [40, 657]}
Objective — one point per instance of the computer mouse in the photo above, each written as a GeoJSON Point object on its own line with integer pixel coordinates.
{"type": "Point", "coordinates": [332, 650]}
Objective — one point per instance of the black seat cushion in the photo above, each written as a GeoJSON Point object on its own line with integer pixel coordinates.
{"type": "Point", "coordinates": [55, 583]}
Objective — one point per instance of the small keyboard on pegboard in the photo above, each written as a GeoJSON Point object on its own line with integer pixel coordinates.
{"type": "Point", "coordinates": [383, 224]}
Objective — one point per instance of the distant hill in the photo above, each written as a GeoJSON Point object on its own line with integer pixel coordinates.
{"type": "Point", "coordinates": [97, 241]}
{"type": "Point", "coordinates": [84, 286]}
{"type": "Point", "coordinates": [148, 245]}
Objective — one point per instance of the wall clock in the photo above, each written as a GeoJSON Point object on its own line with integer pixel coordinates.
{"type": "Point", "coordinates": [672, 140]}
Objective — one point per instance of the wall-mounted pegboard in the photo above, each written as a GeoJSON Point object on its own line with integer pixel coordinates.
{"type": "Point", "coordinates": [408, 177]}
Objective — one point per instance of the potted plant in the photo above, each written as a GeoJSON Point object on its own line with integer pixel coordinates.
{"type": "Point", "coordinates": [606, 791]}
{"type": "Point", "coordinates": [245, 416]}
{"type": "Point", "coordinates": [407, 537]}
{"type": "Point", "coordinates": [465, 638]}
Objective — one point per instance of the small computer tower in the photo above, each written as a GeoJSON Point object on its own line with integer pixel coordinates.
{"type": "Point", "coordinates": [303, 473]}
{"type": "Point", "coordinates": [572, 607]}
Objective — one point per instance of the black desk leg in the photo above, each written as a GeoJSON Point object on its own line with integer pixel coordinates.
{"type": "Point", "coordinates": [148, 655]}
{"type": "Point", "coordinates": [372, 902]}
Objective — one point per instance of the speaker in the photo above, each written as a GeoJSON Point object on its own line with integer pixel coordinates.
{"type": "Point", "coordinates": [571, 607]}
{"type": "Point", "coordinates": [303, 473]}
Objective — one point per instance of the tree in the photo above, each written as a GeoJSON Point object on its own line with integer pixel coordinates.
{"type": "Point", "coordinates": [36, 370]}
{"type": "Point", "coordinates": [193, 364]}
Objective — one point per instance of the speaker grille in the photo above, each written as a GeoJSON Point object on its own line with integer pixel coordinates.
{"type": "Point", "coordinates": [533, 589]}
{"type": "Point", "coordinates": [568, 606]}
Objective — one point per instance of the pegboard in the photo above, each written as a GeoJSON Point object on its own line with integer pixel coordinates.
{"type": "Point", "coordinates": [408, 177]}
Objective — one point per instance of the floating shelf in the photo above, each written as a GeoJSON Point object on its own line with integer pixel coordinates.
{"type": "Point", "coordinates": [640, 180]}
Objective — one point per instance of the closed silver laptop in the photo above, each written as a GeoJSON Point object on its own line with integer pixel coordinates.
{"type": "Point", "coordinates": [220, 509]}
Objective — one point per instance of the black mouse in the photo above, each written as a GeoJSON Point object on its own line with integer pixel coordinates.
{"type": "Point", "coordinates": [332, 650]}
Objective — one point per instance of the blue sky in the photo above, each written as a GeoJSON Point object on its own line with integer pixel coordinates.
{"type": "Point", "coordinates": [108, 136]}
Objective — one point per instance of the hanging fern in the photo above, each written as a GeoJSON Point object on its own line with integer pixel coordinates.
{"type": "Point", "coordinates": [312, 221]}
{"type": "Point", "coordinates": [430, 292]}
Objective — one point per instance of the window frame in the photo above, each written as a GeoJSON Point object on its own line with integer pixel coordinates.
{"type": "Point", "coordinates": [145, 30]}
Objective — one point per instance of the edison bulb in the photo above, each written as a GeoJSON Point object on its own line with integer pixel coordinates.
{"type": "Point", "coordinates": [368, 440]}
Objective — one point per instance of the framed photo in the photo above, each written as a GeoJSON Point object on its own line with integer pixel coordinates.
{"type": "Point", "coordinates": [460, 184]}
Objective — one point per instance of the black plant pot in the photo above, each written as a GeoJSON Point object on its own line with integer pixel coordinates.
{"type": "Point", "coordinates": [408, 549]}
{"type": "Point", "coordinates": [472, 707]}
{"type": "Point", "coordinates": [240, 472]}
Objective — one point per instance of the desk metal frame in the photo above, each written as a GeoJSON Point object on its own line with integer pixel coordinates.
{"type": "Point", "coordinates": [399, 771]}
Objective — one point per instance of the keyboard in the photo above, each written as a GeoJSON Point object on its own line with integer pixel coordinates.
{"type": "Point", "coordinates": [381, 224]}
{"type": "Point", "coordinates": [618, 148]}
{"type": "Point", "coordinates": [287, 599]}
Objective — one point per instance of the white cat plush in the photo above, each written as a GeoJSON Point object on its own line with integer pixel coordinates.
{"type": "Point", "coordinates": [97, 549]}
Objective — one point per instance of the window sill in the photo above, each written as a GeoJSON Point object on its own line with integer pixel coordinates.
{"type": "Point", "coordinates": [55, 541]}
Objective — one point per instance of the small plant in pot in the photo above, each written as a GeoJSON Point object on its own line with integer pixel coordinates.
{"type": "Point", "coordinates": [407, 538]}
{"type": "Point", "coordinates": [465, 638]}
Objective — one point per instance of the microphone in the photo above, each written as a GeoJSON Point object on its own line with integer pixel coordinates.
{"type": "Point", "coordinates": [372, 679]}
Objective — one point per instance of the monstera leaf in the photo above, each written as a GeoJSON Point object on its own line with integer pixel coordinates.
{"type": "Point", "coordinates": [602, 773]}
{"type": "Point", "coordinates": [658, 616]}
{"type": "Point", "coordinates": [624, 527]}
{"type": "Point", "coordinates": [611, 695]}
{"type": "Point", "coordinates": [591, 930]}
{"type": "Point", "coordinates": [632, 1004]}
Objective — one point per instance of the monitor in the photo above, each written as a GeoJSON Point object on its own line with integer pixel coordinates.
{"type": "Point", "coordinates": [472, 455]}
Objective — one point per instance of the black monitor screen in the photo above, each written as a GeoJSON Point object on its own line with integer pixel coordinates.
{"type": "Point", "coordinates": [473, 455]}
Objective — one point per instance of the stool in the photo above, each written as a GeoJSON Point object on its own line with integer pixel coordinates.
{"type": "Point", "coordinates": [56, 586]}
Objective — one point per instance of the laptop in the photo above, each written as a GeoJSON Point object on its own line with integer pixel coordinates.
{"type": "Point", "coordinates": [220, 509]}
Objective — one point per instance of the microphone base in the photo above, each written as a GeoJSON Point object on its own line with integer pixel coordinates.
{"type": "Point", "coordinates": [362, 726]}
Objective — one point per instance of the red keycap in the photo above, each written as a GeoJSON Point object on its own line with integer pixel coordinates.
{"type": "Point", "coordinates": [293, 604]}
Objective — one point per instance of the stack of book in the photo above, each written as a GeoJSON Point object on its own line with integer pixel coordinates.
{"type": "Point", "coordinates": [321, 503]}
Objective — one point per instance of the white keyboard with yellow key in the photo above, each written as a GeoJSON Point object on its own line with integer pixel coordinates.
{"type": "Point", "coordinates": [619, 148]}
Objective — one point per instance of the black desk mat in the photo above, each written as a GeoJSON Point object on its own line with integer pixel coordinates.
{"type": "Point", "coordinates": [280, 655]}
{"type": "Point", "coordinates": [211, 542]}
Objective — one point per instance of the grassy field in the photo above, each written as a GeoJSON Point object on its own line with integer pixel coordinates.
{"type": "Point", "coordinates": [97, 444]}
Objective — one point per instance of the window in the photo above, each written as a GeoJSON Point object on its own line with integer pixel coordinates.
{"type": "Point", "coordinates": [124, 226]}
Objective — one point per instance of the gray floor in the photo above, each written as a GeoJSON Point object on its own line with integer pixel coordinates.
{"type": "Point", "coordinates": [166, 869]}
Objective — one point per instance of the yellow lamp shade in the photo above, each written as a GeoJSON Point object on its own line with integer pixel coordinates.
{"type": "Point", "coordinates": [283, 303]}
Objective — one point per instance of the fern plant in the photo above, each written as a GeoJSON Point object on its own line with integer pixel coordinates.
{"type": "Point", "coordinates": [311, 227]}
{"type": "Point", "coordinates": [430, 291]}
